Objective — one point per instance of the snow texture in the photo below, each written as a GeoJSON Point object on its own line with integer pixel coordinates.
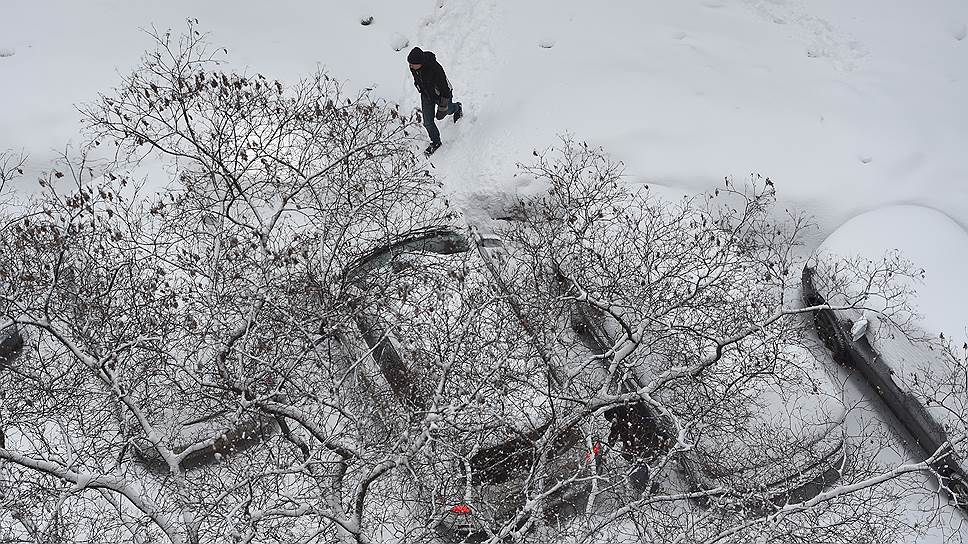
{"type": "Point", "coordinates": [855, 110]}
{"type": "Point", "coordinates": [859, 329]}
{"type": "Point", "coordinates": [399, 42]}
{"type": "Point", "coordinates": [928, 238]}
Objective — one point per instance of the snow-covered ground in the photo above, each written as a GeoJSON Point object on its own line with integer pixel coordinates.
{"type": "Point", "coordinates": [848, 106]}
{"type": "Point", "coordinates": [856, 109]}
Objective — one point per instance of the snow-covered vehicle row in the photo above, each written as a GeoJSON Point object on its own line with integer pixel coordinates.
{"type": "Point", "coordinates": [487, 480]}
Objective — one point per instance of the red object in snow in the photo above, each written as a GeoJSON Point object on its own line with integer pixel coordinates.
{"type": "Point", "coordinates": [596, 449]}
{"type": "Point", "coordinates": [460, 509]}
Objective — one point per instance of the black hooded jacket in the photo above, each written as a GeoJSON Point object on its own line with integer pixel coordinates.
{"type": "Point", "coordinates": [430, 79]}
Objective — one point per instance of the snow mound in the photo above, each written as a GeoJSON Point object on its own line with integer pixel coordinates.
{"type": "Point", "coordinates": [399, 42]}
{"type": "Point", "coordinates": [959, 32]}
{"type": "Point", "coordinates": [931, 241]}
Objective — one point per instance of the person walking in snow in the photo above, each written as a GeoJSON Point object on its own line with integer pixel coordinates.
{"type": "Point", "coordinates": [435, 92]}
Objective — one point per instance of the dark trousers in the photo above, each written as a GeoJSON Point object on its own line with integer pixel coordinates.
{"type": "Point", "coordinates": [428, 107]}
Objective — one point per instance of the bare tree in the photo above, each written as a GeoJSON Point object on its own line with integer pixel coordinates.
{"type": "Point", "coordinates": [298, 342]}
{"type": "Point", "coordinates": [693, 312]}
{"type": "Point", "coordinates": [166, 336]}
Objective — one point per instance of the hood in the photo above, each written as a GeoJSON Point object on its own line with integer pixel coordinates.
{"type": "Point", "coordinates": [418, 56]}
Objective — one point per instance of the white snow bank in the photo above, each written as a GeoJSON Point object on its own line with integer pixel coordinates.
{"type": "Point", "coordinates": [68, 52]}
{"type": "Point", "coordinates": [845, 105]}
{"type": "Point", "coordinates": [929, 239]}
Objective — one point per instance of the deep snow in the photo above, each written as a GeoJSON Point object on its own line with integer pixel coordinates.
{"type": "Point", "coordinates": [847, 106]}
{"type": "Point", "coordinates": [929, 239]}
{"type": "Point", "coordinates": [854, 108]}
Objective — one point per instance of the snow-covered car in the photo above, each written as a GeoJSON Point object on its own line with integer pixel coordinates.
{"type": "Point", "coordinates": [509, 448]}
{"type": "Point", "coordinates": [500, 477]}
{"type": "Point", "coordinates": [792, 462]}
{"type": "Point", "coordinates": [919, 429]}
{"type": "Point", "coordinates": [203, 441]}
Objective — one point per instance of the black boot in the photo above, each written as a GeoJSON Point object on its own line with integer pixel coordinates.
{"type": "Point", "coordinates": [459, 113]}
{"type": "Point", "coordinates": [431, 148]}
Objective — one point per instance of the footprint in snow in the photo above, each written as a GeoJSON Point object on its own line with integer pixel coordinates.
{"type": "Point", "coordinates": [7, 52]}
{"type": "Point", "coordinates": [546, 43]}
{"type": "Point", "coordinates": [865, 159]}
{"type": "Point", "coordinates": [960, 32]}
{"type": "Point", "coordinates": [399, 42]}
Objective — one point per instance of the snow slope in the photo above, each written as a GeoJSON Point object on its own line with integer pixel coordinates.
{"type": "Point", "coordinates": [854, 108]}
{"type": "Point", "coordinates": [828, 104]}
